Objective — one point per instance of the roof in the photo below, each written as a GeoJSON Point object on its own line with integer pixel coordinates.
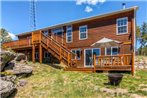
{"type": "Point", "coordinates": [84, 19]}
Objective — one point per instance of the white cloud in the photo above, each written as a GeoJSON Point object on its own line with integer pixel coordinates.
{"type": "Point", "coordinates": [88, 9]}
{"type": "Point", "coordinates": [13, 36]}
{"type": "Point", "coordinates": [89, 2]}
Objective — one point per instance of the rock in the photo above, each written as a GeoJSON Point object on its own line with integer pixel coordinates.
{"type": "Point", "coordinates": [114, 92]}
{"type": "Point", "coordinates": [7, 88]}
{"type": "Point", "coordinates": [6, 57]}
{"type": "Point", "coordinates": [22, 83]}
{"type": "Point", "coordinates": [10, 65]}
{"type": "Point", "coordinates": [22, 69]}
{"type": "Point", "coordinates": [20, 56]}
{"type": "Point", "coordinates": [10, 78]}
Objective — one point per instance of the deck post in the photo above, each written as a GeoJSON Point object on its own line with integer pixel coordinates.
{"type": "Point", "coordinates": [60, 53]}
{"type": "Point", "coordinates": [40, 35]}
{"type": "Point", "coordinates": [68, 58]}
{"type": "Point", "coordinates": [94, 63]}
{"type": "Point", "coordinates": [133, 43]}
{"type": "Point", "coordinates": [33, 53]}
{"type": "Point", "coordinates": [133, 57]}
{"type": "Point", "coordinates": [40, 53]}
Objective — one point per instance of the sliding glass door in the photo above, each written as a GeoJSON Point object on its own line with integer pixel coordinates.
{"type": "Point", "coordinates": [88, 56]}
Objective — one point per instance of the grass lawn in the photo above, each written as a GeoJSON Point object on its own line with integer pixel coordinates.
{"type": "Point", "coordinates": [48, 82]}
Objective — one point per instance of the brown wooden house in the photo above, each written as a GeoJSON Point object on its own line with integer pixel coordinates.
{"type": "Point", "coordinates": [71, 43]}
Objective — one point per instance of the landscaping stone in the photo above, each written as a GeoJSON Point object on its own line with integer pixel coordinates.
{"type": "Point", "coordinates": [10, 78]}
{"type": "Point", "coordinates": [20, 56]}
{"type": "Point", "coordinates": [7, 88]}
{"type": "Point", "coordinates": [22, 82]}
{"type": "Point", "coordinates": [6, 57]}
{"type": "Point", "coordinates": [22, 69]}
{"type": "Point", "coordinates": [114, 92]}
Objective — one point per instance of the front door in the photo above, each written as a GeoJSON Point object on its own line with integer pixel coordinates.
{"type": "Point", "coordinates": [88, 56]}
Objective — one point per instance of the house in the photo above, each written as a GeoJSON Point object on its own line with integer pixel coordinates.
{"type": "Point", "coordinates": [71, 43]}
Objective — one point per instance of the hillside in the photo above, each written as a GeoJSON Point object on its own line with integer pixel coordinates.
{"type": "Point", "coordinates": [49, 82]}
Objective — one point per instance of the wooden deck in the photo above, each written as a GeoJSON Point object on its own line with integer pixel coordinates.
{"type": "Point", "coordinates": [18, 44]}
{"type": "Point", "coordinates": [122, 62]}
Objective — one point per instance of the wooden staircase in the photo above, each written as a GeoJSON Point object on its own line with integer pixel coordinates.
{"type": "Point", "coordinates": [58, 50]}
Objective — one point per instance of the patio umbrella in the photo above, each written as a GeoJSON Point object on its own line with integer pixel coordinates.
{"type": "Point", "coordinates": [106, 42]}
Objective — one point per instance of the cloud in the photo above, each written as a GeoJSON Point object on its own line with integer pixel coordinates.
{"type": "Point", "coordinates": [89, 2]}
{"type": "Point", "coordinates": [88, 9]}
{"type": "Point", "coordinates": [13, 36]}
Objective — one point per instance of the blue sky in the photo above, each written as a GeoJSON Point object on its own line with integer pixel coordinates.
{"type": "Point", "coordinates": [15, 14]}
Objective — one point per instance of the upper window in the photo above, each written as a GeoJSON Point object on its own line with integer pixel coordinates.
{"type": "Point", "coordinates": [122, 25]}
{"type": "Point", "coordinates": [69, 34]}
{"type": "Point", "coordinates": [112, 51]}
{"type": "Point", "coordinates": [77, 52]}
{"type": "Point", "coordinates": [57, 31]}
{"type": "Point", "coordinates": [45, 32]}
{"type": "Point", "coordinates": [83, 32]}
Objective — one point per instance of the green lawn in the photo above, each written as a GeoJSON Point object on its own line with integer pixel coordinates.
{"type": "Point", "coordinates": [48, 82]}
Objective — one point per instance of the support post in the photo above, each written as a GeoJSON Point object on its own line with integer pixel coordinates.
{"type": "Point", "coordinates": [133, 69]}
{"type": "Point", "coordinates": [68, 58]}
{"type": "Point", "coordinates": [40, 53]}
{"type": "Point", "coordinates": [60, 54]}
{"type": "Point", "coordinates": [33, 53]}
{"type": "Point", "coordinates": [94, 63]}
{"type": "Point", "coordinates": [40, 35]}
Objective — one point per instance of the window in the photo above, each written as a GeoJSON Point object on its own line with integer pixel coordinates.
{"type": "Point", "coordinates": [36, 55]}
{"type": "Point", "coordinates": [112, 51]}
{"type": "Point", "coordinates": [77, 52]}
{"type": "Point", "coordinates": [57, 31]}
{"type": "Point", "coordinates": [69, 34]}
{"type": "Point", "coordinates": [46, 54]}
{"type": "Point", "coordinates": [83, 32]}
{"type": "Point", "coordinates": [45, 33]}
{"type": "Point", "coordinates": [122, 25]}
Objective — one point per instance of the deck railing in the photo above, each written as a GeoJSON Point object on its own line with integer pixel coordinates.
{"type": "Point", "coordinates": [109, 61]}
{"type": "Point", "coordinates": [61, 50]}
{"type": "Point", "coordinates": [59, 39]}
{"type": "Point", "coordinates": [17, 43]}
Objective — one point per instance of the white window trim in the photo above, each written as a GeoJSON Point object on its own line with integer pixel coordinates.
{"type": "Point", "coordinates": [75, 52]}
{"type": "Point", "coordinates": [86, 32]}
{"type": "Point", "coordinates": [68, 36]}
{"type": "Point", "coordinates": [111, 50]}
{"type": "Point", "coordinates": [117, 26]}
{"type": "Point", "coordinates": [92, 52]}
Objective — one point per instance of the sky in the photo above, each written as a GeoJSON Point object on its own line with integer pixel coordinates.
{"type": "Point", "coordinates": [15, 15]}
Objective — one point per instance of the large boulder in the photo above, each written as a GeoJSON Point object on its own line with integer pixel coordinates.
{"type": "Point", "coordinates": [10, 78]}
{"type": "Point", "coordinates": [7, 88]}
{"type": "Point", "coordinates": [6, 57]}
{"type": "Point", "coordinates": [20, 56]}
{"type": "Point", "coordinates": [22, 69]}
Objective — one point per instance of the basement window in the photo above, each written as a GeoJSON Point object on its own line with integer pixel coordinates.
{"type": "Point", "coordinates": [77, 52]}
{"type": "Point", "coordinates": [46, 54]}
{"type": "Point", "coordinates": [83, 32]}
{"type": "Point", "coordinates": [37, 55]}
{"type": "Point", "coordinates": [122, 25]}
